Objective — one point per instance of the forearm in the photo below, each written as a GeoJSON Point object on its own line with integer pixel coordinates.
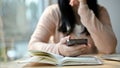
{"type": "Point", "coordinates": [46, 47]}
{"type": "Point", "coordinates": [102, 34]}
{"type": "Point", "coordinates": [104, 40]}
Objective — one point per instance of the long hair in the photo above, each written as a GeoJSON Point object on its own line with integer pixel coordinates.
{"type": "Point", "coordinates": [68, 17]}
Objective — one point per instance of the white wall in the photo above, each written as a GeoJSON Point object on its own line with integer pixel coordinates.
{"type": "Point", "coordinates": [114, 11]}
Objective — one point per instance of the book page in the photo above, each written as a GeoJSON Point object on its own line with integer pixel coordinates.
{"type": "Point", "coordinates": [46, 54]}
{"type": "Point", "coordinates": [37, 59]}
{"type": "Point", "coordinates": [41, 57]}
{"type": "Point", "coordinates": [82, 60]}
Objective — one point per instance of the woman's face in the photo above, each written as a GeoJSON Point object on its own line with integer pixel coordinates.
{"type": "Point", "coordinates": [74, 3]}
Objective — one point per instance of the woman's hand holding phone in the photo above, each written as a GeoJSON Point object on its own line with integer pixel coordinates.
{"type": "Point", "coordinates": [74, 50]}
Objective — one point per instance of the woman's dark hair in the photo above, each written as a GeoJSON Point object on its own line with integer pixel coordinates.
{"type": "Point", "coordinates": [68, 17]}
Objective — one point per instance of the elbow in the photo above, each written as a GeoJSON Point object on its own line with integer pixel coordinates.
{"type": "Point", "coordinates": [107, 52]}
{"type": "Point", "coordinates": [115, 42]}
{"type": "Point", "coordinates": [30, 46]}
{"type": "Point", "coordinates": [112, 48]}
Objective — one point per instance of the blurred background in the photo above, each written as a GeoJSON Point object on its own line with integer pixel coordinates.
{"type": "Point", "coordinates": [18, 19]}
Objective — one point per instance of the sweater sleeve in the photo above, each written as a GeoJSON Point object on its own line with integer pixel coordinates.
{"type": "Point", "coordinates": [45, 28]}
{"type": "Point", "coordinates": [99, 29]}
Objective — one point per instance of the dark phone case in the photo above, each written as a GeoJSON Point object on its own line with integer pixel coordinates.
{"type": "Point", "coordinates": [72, 42]}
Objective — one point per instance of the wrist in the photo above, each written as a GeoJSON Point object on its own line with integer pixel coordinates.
{"type": "Point", "coordinates": [83, 1]}
{"type": "Point", "coordinates": [59, 49]}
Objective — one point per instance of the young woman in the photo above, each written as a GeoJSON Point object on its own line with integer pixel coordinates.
{"type": "Point", "coordinates": [74, 19]}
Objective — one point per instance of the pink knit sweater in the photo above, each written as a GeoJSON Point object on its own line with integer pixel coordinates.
{"type": "Point", "coordinates": [101, 33]}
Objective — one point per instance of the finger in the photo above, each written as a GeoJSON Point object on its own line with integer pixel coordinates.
{"type": "Point", "coordinates": [76, 51]}
{"type": "Point", "coordinates": [77, 47]}
{"type": "Point", "coordinates": [79, 52]}
{"type": "Point", "coordinates": [83, 51]}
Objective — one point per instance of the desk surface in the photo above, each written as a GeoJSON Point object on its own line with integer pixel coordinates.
{"type": "Point", "coordinates": [106, 64]}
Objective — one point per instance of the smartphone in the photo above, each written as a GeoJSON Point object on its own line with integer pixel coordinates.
{"type": "Point", "coordinates": [72, 42]}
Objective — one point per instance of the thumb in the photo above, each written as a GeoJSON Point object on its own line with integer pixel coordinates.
{"type": "Point", "coordinates": [63, 40]}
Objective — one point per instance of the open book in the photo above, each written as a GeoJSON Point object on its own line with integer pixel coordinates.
{"type": "Point", "coordinates": [54, 59]}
